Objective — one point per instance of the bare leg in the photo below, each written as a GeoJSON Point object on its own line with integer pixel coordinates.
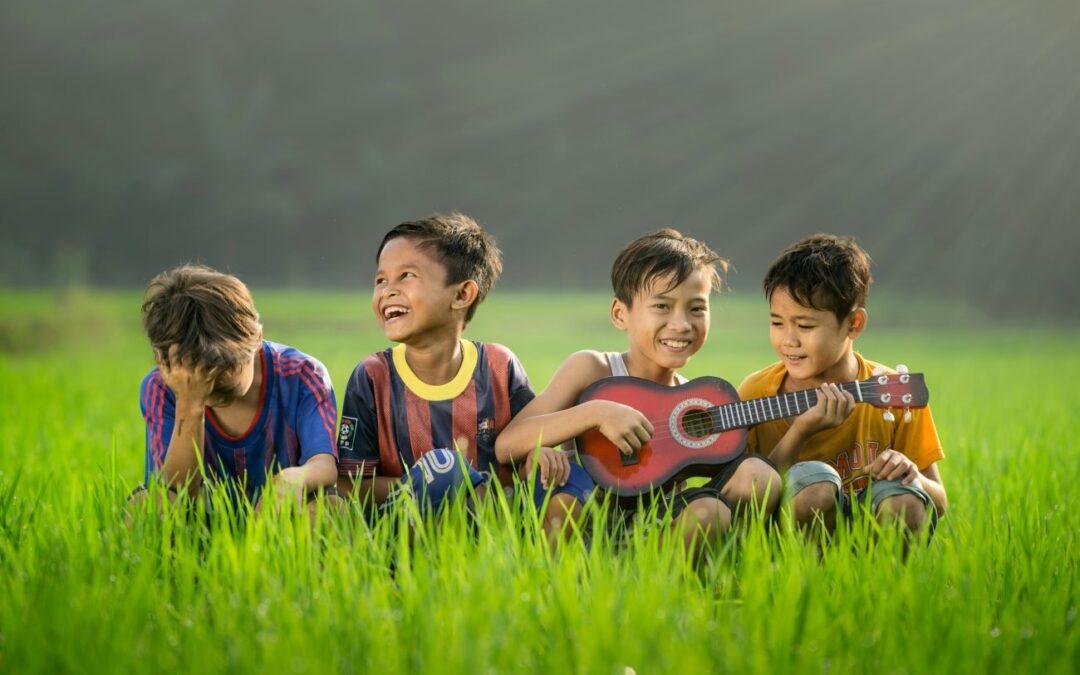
{"type": "Point", "coordinates": [754, 484]}
{"type": "Point", "coordinates": [814, 507]}
{"type": "Point", "coordinates": [702, 522]}
{"type": "Point", "coordinates": [562, 517]}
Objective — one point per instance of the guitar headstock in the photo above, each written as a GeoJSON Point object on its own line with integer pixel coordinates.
{"type": "Point", "coordinates": [895, 390]}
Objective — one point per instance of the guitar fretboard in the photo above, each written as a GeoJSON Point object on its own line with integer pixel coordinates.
{"type": "Point", "coordinates": [757, 410]}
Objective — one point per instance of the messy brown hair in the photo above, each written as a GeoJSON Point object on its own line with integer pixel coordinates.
{"type": "Point", "coordinates": [661, 254]}
{"type": "Point", "coordinates": [827, 272]}
{"type": "Point", "coordinates": [460, 245]}
{"type": "Point", "coordinates": [208, 315]}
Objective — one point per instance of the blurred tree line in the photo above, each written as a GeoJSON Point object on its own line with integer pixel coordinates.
{"type": "Point", "coordinates": [281, 139]}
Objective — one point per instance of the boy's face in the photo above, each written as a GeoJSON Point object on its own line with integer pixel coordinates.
{"type": "Point", "coordinates": [411, 296]}
{"type": "Point", "coordinates": [232, 385]}
{"type": "Point", "coordinates": [667, 326]}
{"type": "Point", "coordinates": [813, 344]}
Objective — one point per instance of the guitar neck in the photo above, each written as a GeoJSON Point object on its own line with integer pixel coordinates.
{"type": "Point", "coordinates": [757, 410]}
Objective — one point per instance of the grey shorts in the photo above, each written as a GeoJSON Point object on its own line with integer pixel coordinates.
{"type": "Point", "coordinates": [804, 474]}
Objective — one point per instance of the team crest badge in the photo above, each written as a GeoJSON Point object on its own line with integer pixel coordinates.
{"type": "Point", "coordinates": [346, 432]}
{"type": "Point", "coordinates": [485, 431]}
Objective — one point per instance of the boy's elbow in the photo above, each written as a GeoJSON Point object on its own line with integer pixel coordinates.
{"type": "Point", "coordinates": [942, 506]}
{"type": "Point", "coordinates": [502, 449]}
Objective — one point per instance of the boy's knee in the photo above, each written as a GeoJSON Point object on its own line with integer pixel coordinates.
{"type": "Point", "coordinates": [909, 508]}
{"type": "Point", "coordinates": [816, 499]}
{"type": "Point", "coordinates": [561, 507]}
{"type": "Point", "coordinates": [761, 480]}
{"type": "Point", "coordinates": [709, 515]}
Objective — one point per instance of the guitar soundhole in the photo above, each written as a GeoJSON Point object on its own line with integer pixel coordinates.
{"type": "Point", "coordinates": [697, 423]}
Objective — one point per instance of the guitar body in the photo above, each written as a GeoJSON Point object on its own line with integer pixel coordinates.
{"type": "Point", "coordinates": [682, 433]}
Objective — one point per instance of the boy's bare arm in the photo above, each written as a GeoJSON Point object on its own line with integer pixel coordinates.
{"type": "Point", "coordinates": [192, 385]}
{"type": "Point", "coordinates": [834, 405]}
{"type": "Point", "coordinates": [319, 471]}
{"type": "Point", "coordinates": [376, 488]}
{"type": "Point", "coordinates": [555, 417]}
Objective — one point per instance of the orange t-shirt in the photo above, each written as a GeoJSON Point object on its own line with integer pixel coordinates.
{"type": "Point", "coordinates": [854, 444]}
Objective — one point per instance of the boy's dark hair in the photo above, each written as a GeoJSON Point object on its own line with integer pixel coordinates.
{"type": "Point", "coordinates": [659, 254]}
{"type": "Point", "coordinates": [824, 271]}
{"type": "Point", "coordinates": [460, 245]}
{"type": "Point", "coordinates": [208, 315]}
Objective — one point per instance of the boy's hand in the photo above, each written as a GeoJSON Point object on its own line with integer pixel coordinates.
{"type": "Point", "coordinates": [834, 405]}
{"type": "Point", "coordinates": [893, 465]}
{"type": "Point", "coordinates": [554, 467]}
{"type": "Point", "coordinates": [286, 485]}
{"type": "Point", "coordinates": [625, 427]}
{"type": "Point", "coordinates": [191, 382]}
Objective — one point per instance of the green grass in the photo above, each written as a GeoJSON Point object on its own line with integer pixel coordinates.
{"type": "Point", "coordinates": [995, 590]}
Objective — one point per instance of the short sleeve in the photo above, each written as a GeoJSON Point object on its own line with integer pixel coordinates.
{"type": "Point", "coordinates": [316, 413]}
{"type": "Point", "coordinates": [521, 392]}
{"type": "Point", "coordinates": [918, 439]}
{"type": "Point", "coordinates": [159, 413]}
{"type": "Point", "coordinates": [357, 439]}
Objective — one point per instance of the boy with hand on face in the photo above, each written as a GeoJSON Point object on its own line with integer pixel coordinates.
{"type": "Point", "coordinates": [662, 283]}
{"type": "Point", "coordinates": [426, 413]}
{"type": "Point", "coordinates": [817, 291]}
{"type": "Point", "coordinates": [246, 407]}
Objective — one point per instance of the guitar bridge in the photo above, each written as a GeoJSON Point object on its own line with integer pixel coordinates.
{"type": "Point", "coordinates": [629, 460]}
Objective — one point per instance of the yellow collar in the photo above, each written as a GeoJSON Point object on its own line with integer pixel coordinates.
{"type": "Point", "coordinates": [437, 392]}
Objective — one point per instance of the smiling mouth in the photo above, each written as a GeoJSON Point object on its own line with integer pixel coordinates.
{"type": "Point", "coordinates": [675, 344]}
{"type": "Point", "coordinates": [391, 312]}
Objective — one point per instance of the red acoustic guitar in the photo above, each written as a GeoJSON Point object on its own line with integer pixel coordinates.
{"type": "Point", "coordinates": [703, 423]}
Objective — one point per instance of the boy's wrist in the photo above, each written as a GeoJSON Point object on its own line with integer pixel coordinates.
{"type": "Point", "coordinates": [594, 413]}
{"type": "Point", "coordinates": [190, 407]}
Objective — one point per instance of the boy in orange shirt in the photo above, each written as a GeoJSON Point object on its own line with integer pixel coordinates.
{"type": "Point", "coordinates": [833, 452]}
{"type": "Point", "coordinates": [662, 283]}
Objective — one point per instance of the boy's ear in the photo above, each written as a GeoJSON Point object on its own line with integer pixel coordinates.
{"type": "Point", "coordinates": [618, 313]}
{"type": "Point", "coordinates": [465, 295]}
{"type": "Point", "coordinates": [857, 322]}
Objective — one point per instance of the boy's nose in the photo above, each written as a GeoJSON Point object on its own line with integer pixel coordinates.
{"type": "Point", "coordinates": [679, 322]}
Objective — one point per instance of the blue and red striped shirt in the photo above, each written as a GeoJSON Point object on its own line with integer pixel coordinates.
{"type": "Point", "coordinates": [390, 417]}
{"type": "Point", "coordinates": [296, 419]}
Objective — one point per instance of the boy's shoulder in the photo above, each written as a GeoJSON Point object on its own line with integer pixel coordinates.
{"type": "Point", "coordinates": [284, 357]}
{"type": "Point", "coordinates": [581, 369]}
{"type": "Point", "coordinates": [764, 382]}
{"type": "Point", "coordinates": [295, 373]}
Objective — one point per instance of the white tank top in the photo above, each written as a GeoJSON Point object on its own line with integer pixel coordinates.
{"type": "Point", "coordinates": [618, 367]}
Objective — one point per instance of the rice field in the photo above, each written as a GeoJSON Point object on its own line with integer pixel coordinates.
{"type": "Point", "coordinates": [994, 590]}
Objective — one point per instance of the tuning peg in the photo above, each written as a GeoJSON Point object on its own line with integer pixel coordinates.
{"type": "Point", "coordinates": [878, 371]}
{"type": "Point", "coordinates": [901, 368]}
{"type": "Point", "coordinates": [907, 414]}
{"type": "Point", "coordinates": [889, 416]}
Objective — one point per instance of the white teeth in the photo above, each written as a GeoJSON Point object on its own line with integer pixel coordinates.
{"type": "Point", "coordinates": [676, 344]}
{"type": "Point", "coordinates": [394, 311]}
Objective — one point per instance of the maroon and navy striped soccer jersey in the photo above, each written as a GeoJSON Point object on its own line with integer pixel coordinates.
{"type": "Point", "coordinates": [390, 417]}
{"type": "Point", "coordinates": [296, 419]}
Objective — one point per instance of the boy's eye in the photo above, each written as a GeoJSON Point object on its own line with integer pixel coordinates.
{"type": "Point", "coordinates": [804, 326]}
{"type": "Point", "coordinates": [660, 305]}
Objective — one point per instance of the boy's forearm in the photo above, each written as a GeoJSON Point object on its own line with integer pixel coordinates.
{"type": "Point", "coordinates": [523, 436]}
{"type": "Point", "coordinates": [181, 465]}
{"type": "Point", "coordinates": [788, 448]}
{"type": "Point", "coordinates": [320, 471]}
{"type": "Point", "coordinates": [377, 488]}
{"type": "Point", "coordinates": [936, 490]}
